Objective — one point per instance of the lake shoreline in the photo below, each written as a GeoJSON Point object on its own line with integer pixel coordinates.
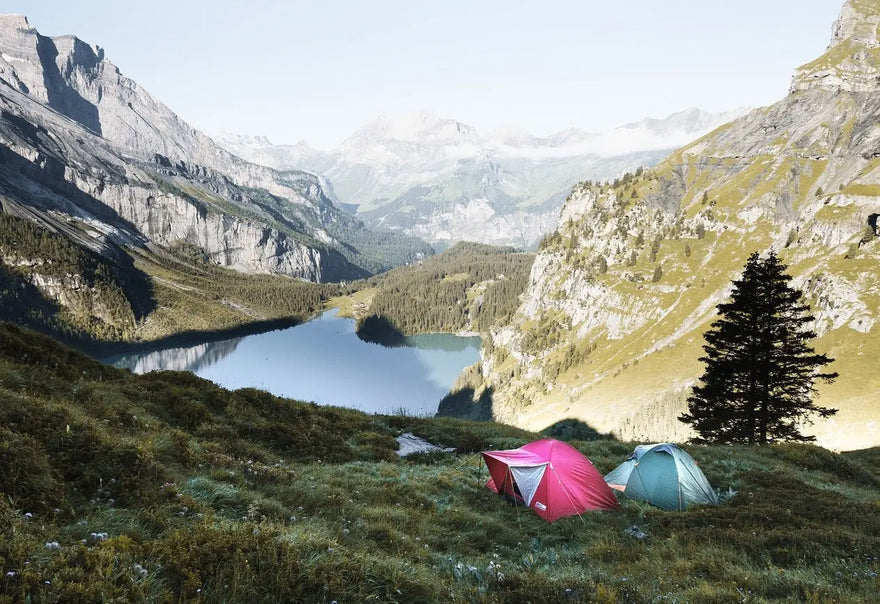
{"type": "Point", "coordinates": [102, 351]}
{"type": "Point", "coordinates": [323, 360]}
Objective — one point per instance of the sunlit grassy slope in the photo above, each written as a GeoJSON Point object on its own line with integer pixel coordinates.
{"type": "Point", "coordinates": [164, 487]}
{"type": "Point", "coordinates": [611, 327]}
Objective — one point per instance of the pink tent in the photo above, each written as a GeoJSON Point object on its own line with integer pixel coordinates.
{"type": "Point", "coordinates": [551, 477]}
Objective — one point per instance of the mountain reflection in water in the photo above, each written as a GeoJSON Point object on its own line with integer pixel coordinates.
{"type": "Point", "coordinates": [324, 361]}
{"type": "Point", "coordinates": [190, 358]}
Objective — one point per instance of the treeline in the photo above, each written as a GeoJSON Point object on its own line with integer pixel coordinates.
{"type": "Point", "coordinates": [145, 295]}
{"type": "Point", "coordinates": [468, 287]}
{"type": "Point", "coordinates": [22, 303]}
{"type": "Point", "coordinates": [27, 244]}
{"type": "Point", "coordinates": [93, 296]}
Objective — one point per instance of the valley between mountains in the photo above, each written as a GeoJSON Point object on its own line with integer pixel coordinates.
{"type": "Point", "coordinates": [121, 223]}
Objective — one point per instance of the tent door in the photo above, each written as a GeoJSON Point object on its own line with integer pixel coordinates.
{"type": "Point", "coordinates": [528, 478]}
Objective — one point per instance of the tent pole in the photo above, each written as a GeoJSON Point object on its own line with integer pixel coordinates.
{"type": "Point", "coordinates": [515, 502]}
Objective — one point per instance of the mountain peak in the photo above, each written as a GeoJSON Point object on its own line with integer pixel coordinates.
{"type": "Point", "coordinates": [14, 22]}
{"type": "Point", "coordinates": [689, 119]}
{"type": "Point", "coordinates": [859, 20]}
{"type": "Point", "coordinates": [249, 140]}
{"type": "Point", "coordinates": [852, 60]}
{"type": "Point", "coordinates": [417, 127]}
{"type": "Point", "coordinates": [61, 71]}
{"type": "Point", "coordinates": [511, 135]}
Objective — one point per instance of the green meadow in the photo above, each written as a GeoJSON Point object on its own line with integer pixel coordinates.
{"type": "Point", "coordinates": [163, 487]}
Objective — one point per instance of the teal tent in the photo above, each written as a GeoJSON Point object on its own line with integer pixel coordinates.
{"type": "Point", "coordinates": [663, 475]}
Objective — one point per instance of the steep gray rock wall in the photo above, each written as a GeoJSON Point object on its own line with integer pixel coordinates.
{"type": "Point", "coordinates": [298, 231]}
{"type": "Point", "coordinates": [52, 165]}
{"type": "Point", "coordinates": [75, 79]}
{"type": "Point", "coordinates": [81, 123]}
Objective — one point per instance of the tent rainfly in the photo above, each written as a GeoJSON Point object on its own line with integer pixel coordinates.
{"type": "Point", "coordinates": [662, 475]}
{"type": "Point", "coordinates": [551, 477]}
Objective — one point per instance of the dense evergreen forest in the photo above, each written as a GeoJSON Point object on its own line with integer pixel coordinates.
{"type": "Point", "coordinates": [467, 288]}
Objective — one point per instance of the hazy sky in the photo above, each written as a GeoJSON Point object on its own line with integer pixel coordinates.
{"type": "Point", "coordinates": [318, 70]}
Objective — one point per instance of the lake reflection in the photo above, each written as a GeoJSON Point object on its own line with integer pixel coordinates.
{"type": "Point", "coordinates": [324, 361]}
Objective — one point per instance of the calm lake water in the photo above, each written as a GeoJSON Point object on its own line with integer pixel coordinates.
{"type": "Point", "coordinates": [324, 361]}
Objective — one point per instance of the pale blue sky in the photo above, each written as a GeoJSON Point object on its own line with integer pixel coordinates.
{"type": "Point", "coordinates": [296, 70]}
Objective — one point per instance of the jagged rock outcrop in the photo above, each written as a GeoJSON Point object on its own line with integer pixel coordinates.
{"type": "Point", "coordinates": [88, 148]}
{"type": "Point", "coordinates": [611, 326]}
{"type": "Point", "coordinates": [66, 174]}
{"type": "Point", "coordinates": [852, 61]}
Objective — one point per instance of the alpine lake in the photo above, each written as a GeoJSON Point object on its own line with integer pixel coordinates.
{"type": "Point", "coordinates": [324, 361]}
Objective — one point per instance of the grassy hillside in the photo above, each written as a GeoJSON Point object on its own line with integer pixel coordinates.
{"type": "Point", "coordinates": [611, 328]}
{"type": "Point", "coordinates": [168, 488]}
{"type": "Point", "coordinates": [52, 284]}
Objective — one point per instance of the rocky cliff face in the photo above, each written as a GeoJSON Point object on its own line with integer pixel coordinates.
{"type": "Point", "coordinates": [440, 180]}
{"type": "Point", "coordinates": [73, 180]}
{"type": "Point", "coordinates": [852, 61]}
{"type": "Point", "coordinates": [88, 147]}
{"type": "Point", "coordinates": [611, 326]}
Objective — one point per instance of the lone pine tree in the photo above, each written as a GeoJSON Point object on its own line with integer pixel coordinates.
{"type": "Point", "coordinates": [760, 369]}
